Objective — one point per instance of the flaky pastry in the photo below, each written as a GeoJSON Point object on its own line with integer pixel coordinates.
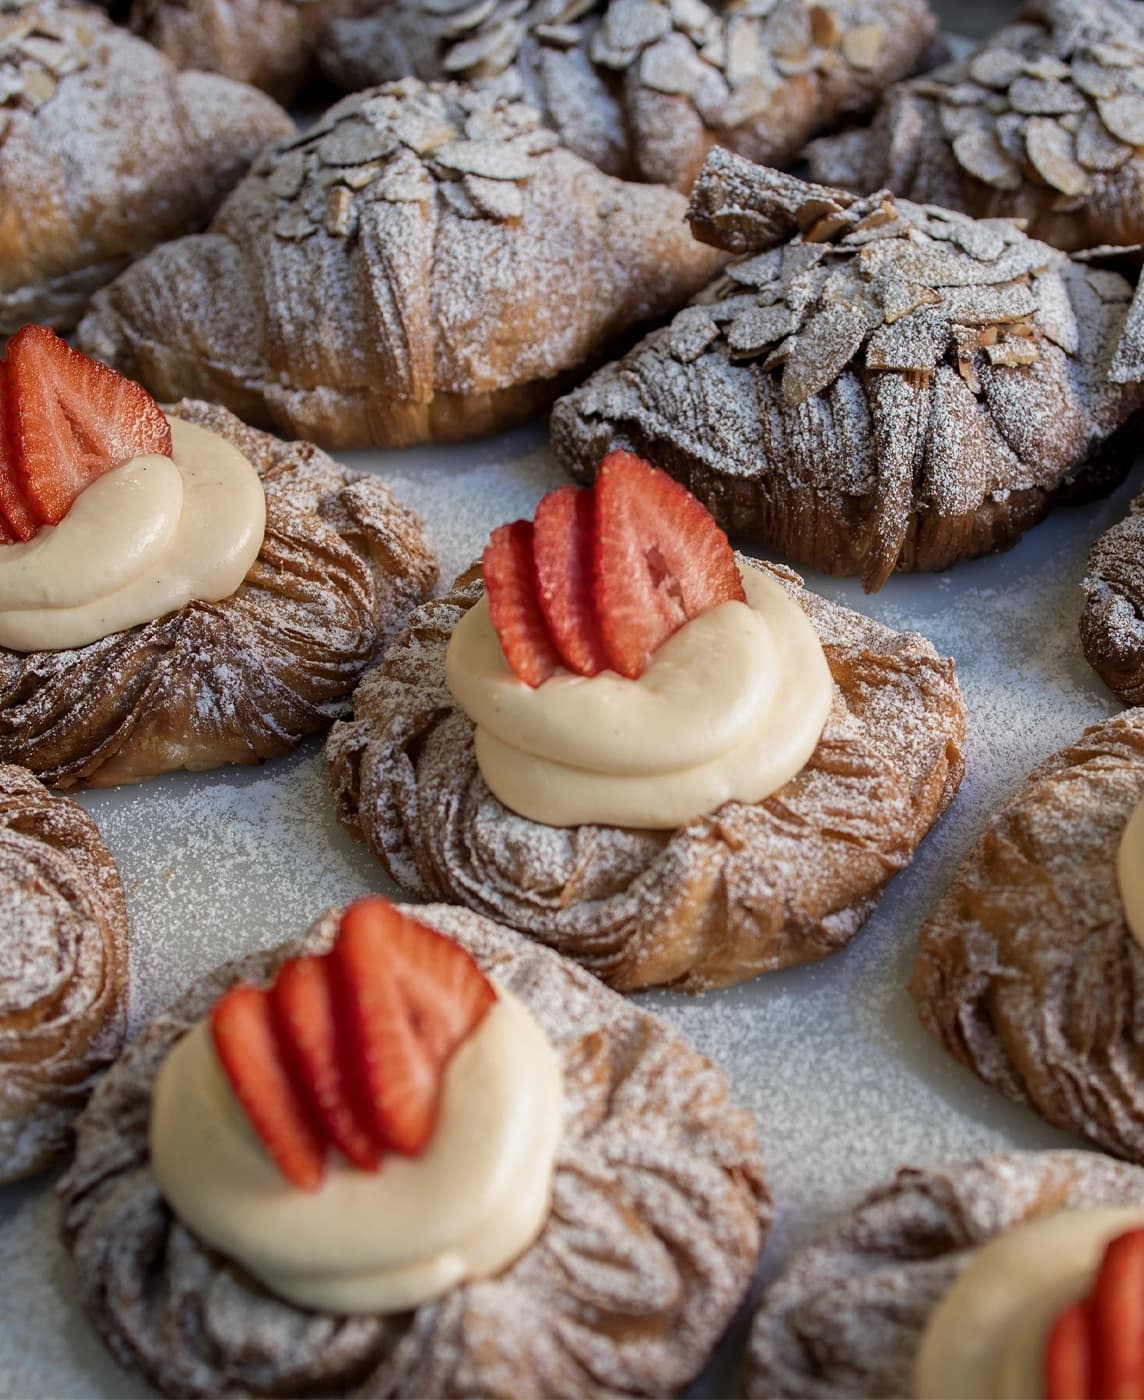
{"type": "Point", "coordinates": [659, 1211]}
{"type": "Point", "coordinates": [83, 191]}
{"type": "Point", "coordinates": [747, 889]}
{"type": "Point", "coordinates": [877, 385]}
{"type": "Point", "coordinates": [1112, 624]}
{"type": "Point", "coordinates": [244, 679]}
{"type": "Point", "coordinates": [644, 88]}
{"type": "Point", "coordinates": [63, 979]}
{"type": "Point", "coordinates": [425, 263]}
{"type": "Point", "coordinates": [1027, 971]}
{"type": "Point", "coordinates": [1045, 123]}
{"type": "Point", "coordinates": [847, 1314]}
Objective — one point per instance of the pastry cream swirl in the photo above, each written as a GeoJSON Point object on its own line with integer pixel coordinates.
{"type": "Point", "coordinates": [377, 1241]}
{"type": "Point", "coordinates": [139, 542]}
{"type": "Point", "coordinates": [729, 709]}
{"type": "Point", "coordinates": [1130, 873]}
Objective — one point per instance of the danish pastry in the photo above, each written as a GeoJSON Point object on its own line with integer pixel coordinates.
{"type": "Point", "coordinates": [1112, 624]}
{"type": "Point", "coordinates": [423, 264]}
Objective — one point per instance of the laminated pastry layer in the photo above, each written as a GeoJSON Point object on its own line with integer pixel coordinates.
{"type": "Point", "coordinates": [1112, 624]}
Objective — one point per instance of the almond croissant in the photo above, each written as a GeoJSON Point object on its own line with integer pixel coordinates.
{"type": "Point", "coordinates": [424, 264]}
{"type": "Point", "coordinates": [82, 191]}
{"type": "Point", "coordinates": [881, 385]}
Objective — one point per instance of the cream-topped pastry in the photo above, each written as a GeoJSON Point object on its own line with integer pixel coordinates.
{"type": "Point", "coordinates": [729, 708]}
{"type": "Point", "coordinates": [139, 542]}
{"type": "Point", "coordinates": [986, 1339]}
{"type": "Point", "coordinates": [1130, 873]}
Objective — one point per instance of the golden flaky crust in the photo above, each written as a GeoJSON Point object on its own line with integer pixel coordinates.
{"type": "Point", "coordinates": [1112, 624]}
{"type": "Point", "coordinates": [425, 263]}
{"type": "Point", "coordinates": [877, 385]}
{"type": "Point", "coordinates": [63, 968]}
{"type": "Point", "coordinates": [644, 88]}
{"type": "Point", "coordinates": [245, 679]}
{"type": "Point", "coordinates": [659, 1212]}
{"type": "Point", "coordinates": [82, 191]}
{"type": "Point", "coordinates": [1028, 972]}
{"type": "Point", "coordinates": [1044, 123]}
{"type": "Point", "coordinates": [748, 889]}
{"type": "Point", "coordinates": [846, 1316]}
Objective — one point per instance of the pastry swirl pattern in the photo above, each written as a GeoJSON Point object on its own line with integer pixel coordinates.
{"type": "Point", "coordinates": [659, 1211]}
{"type": "Point", "coordinates": [747, 889]}
{"type": "Point", "coordinates": [244, 679]}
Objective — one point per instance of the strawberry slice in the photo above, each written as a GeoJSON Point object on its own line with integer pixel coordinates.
{"type": "Point", "coordinates": [16, 521]}
{"type": "Point", "coordinates": [70, 420]}
{"type": "Point", "coordinates": [408, 997]}
{"type": "Point", "coordinates": [1067, 1373]}
{"type": "Point", "coordinates": [510, 582]}
{"type": "Point", "coordinates": [660, 560]}
{"type": "Point", "coordinates": [563, 547]}
{"type": "Point", "coordinates": [242, 1028]}
{"type": "Point", "coordinates": [1116, 1305]}
{"type": "Point", "coordinates": [302, 1004]}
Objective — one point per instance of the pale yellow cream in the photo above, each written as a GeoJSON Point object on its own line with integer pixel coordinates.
{"type": "Point", "coordinates": [141, 541]}
{"type": "Point", "coordinates": [1130, 873]}
{"type": "Point", "coordinates": [986, 1338]}
{"type": "Point", "coordinates": [372, 1241]}
{"type": "Point", "coordinates": [729, 709]}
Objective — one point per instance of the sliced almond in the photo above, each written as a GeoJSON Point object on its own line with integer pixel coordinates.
{"type": "Point", "coordinates": [341, 213]}
{"type": "Point", "coordinates": [824, 347]}
{"type": "Point", "coordinates": [980, 153]}
{"type": "Point", "coordinates": [862, 46]}
{"type": "Point", "coordinates": [493, 159]}
{"type": "Point", "coordinates": [1012, 353]}
{"type": "Point", "coordinates": [824, 27]}
{"type": "Point", "coordinates": [692, 331]}
{"type": "Point", "coordinates": [744, 50]}
{"type": "Point", "coordinates": [1051, 154]}
{"type": "Point", "coordinates": [1097, 148]}
{"type": "Point", "coordinates": [1044, 97]}
{"type": "Point", "coordinates": [286, 176]}
{"type": "Point", "coordinates": [1094, 78]}
{"type": "Point", "coordinates": [760, 327]}
{"type": "Point", "coordinates": [1124, 116]}
{"type": "Point", "coordinates": [913, 343]}
{"type": "Point", "coordinates": [498, 199]}
{"type": "Point", "coordinates": [995, 67]}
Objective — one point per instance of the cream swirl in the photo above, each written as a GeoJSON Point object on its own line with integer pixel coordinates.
{"type": "Point", "coordinates": [729, 709]}
{"type": "Point", "coordinates": [1130, 873]}
{"type": "Point", "coordinates": [138, 543]}
{"type": "Point", "coordinates": [985, 1340]}
{"type": "Point", "coordinates": [377, 1241]}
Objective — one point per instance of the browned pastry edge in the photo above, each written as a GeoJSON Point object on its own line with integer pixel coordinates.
{"type": "Point", "coordinates": [1027, 972]}
{"type": "Point", "coordinates": [747, 889]}
{"type": "Point", "coordinates": [659, 1211]}
{"type": "Point", "coordinates": [63, 968]}
{"type": "Point", "coordinates": [847, 1314]}
{"type": "Point", "coordinates": [244, 679]}
{"type": "Point", "coordinates": [1112, 624]}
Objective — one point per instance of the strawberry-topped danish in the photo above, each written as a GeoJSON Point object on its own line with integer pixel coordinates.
{"type": "Point", "coordinates": [412, 1153]}
{"type": "Point", "coordinates": [147, 561]}
{"type": "Point", "coordinates": [664, 760]}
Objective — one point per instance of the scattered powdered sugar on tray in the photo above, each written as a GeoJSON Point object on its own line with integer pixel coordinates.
{"type": "Point", "coordinates": [831, 1058]}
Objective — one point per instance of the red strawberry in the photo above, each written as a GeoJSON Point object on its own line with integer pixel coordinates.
{"type": "Point", "coordinates": [408, 997]}
{"type": "Point", "coordinates": [1116, 1308]}
{"type": "Point", "coordinates": [70, 420]}
{"type": "Point", "coordinates": [660, 560]}
{"type": "Point", "coordinates": [1067, 1375]}
{"type": "Point", "coordinates": [16, 521]}
{"type": "Point", "coordinates": [243, 1032]}
{"type": "Point", "coordinates": [510, 582]}
{"type": "Point", "coordinates": [302, 1003]}
{"type": "Point", "coordinates": [563, 546]}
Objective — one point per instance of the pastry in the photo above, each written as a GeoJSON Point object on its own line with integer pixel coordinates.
{"type": "Point", "coordinates": [737, 810]}
{"type": "Point", "coordinates": [1030, 966]}
{"type": "Point", "coordinates": [1112, 625]}
{"type": "Point", "coordinates": [423, 264]}
{"type": "Point", "coordinates": [82, 191]}
{"type": "Point", "coordinates": [208, 597]}
{"type": "Point", "coordinates": [644, 88]}
{"type": "Point", "coordinates": [1045, 123]}
{"type": "Point", "coordinates": [943, 1283]}
{"type": "Point", "coordinates": [63, 1009]}
{"type": "Point", "coordinates": [658, 1201]}
{"type": "Point", "coordinates": [877, 385]}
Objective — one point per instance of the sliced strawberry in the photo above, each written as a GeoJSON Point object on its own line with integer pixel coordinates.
{"type": "Point", "coordinates": [563, 548]}
{"type": "Point", "coordinates": [71, 420]}
{"type": "Point", "coordinates": [660, 560]}
{"type": "Point", "coordinates": [510, 582]}
{"type": "Point", "coordinates": [1067, 1374]}
{"type": "Point", "coordinates": [408, 997]}
{"type": "Point", "coordinates": [243, 1032]}
{"type": "Point", "coordinates": [302, 1003]}
{"type": "Point", "coordinates": [1116, 1306]}
{"type": "Point", "coordinates": [16, 520]}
